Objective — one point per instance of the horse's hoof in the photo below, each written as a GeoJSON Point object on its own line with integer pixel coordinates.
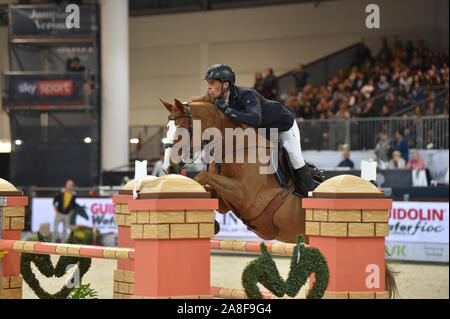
{"type": "Point", "coordinates": [216, 227]}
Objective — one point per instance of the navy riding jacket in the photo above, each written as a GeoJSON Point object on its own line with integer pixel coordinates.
{"type": "Point", "coordinates": [251, 108]}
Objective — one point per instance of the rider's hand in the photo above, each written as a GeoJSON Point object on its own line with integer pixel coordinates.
{"type": "Point", "coordinates": [223, 106]}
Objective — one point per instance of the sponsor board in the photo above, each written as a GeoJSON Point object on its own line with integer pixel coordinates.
{"type": "Point", "coordinates": [418, 251]}
{"type": "Point", "coordinates": [49, 21]}
{"type": "Point", "coordinates": [419, 231]}
{"type": "Point", "coordinates": [420, 222]}
{"type": "Point", "coordinates": [232, 227]}
{"type": "Point", "coordinates": [99, 213]}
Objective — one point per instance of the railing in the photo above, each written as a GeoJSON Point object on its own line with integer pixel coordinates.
{"type": "Point", "coordinates": [401, 104]}
{"type": "Point", "coordinates": [364, 133]}
{"type": "Point", "coordinates": [437, 95]}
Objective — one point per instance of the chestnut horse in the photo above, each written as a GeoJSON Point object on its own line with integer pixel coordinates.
{"type": "Point", "coordinates": [239, 186]}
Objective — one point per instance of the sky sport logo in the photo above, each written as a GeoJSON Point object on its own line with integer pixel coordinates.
{"type": "Point", "coordinates": [46, 88]}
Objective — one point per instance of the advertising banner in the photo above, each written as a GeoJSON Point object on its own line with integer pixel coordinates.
{"type": "Point", "coordinates": [419, 231]}
{"type": "Point", "coordinates": [232, 227]}
{"type": "Point", "coordinates": [50, 22]}
{"type": "Point", "coordinates": [98, 213]}
{"type": "Point", "coordinates": [418, 222]}
{"type": "Point", "coordinates": [44, 89]}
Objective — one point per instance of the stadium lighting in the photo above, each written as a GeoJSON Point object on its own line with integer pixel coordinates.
{"type": "Point", "coordinates": [134, 140]}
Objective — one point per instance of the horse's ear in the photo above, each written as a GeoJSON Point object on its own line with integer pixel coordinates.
{"type": "Point", "coordinates": [168, 106]}
{"type": "Point", "coordinates": [180, 106]}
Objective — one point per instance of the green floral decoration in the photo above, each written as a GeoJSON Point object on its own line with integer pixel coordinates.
{"type": "Point", "coordinates": [83, 292]}
{"type": "Point", "coordinates": [45, 266]}
{"type": "Point", "coordinates": [304, 262]}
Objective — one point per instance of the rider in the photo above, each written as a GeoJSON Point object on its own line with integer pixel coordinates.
{"type": "Point", "coordinates": [247, 106]}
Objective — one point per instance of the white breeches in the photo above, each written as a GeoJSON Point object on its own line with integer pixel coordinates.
{"type": "Point", "coordinates": [291, 142]}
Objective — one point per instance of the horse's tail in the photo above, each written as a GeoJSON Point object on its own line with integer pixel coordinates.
{"type": "Point", "coordinates": [391, 285]}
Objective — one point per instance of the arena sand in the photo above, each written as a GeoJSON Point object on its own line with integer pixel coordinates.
{"type": "Point", "coordinates": [415, 281]}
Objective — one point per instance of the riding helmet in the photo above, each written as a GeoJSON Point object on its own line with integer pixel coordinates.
{"type": "Point", "coordinates": [221, 72]}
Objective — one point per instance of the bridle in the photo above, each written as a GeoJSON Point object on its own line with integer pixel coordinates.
{"type": "Point", "coordinates": [191, 159]}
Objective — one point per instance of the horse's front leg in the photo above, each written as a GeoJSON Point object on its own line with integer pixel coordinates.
{"type": "Point", "coordinates": [223, 208]}
{"type": "Point", "coordinates": [228, 188]}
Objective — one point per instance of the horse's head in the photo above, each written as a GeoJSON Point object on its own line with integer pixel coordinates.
{"type": "Point", "coordinates": [180, 117]}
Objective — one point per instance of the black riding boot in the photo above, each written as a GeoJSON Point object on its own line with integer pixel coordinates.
{"type": "Point", "coordinates": [304, 180]}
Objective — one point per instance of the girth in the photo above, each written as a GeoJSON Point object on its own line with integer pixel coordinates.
{"type": "Point", "coordinates": [263, 224]}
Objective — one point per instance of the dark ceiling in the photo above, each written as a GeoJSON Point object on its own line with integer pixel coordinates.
{"type": "Point", "coordinates": [155, 7]}
{"type": "Point", "coordinates": [152, 7]}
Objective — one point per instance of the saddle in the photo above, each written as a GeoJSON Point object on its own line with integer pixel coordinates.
{"type": "Point", "coordinates": [285, 172]}
{"type": "Point", "coordinates": [263, 224]}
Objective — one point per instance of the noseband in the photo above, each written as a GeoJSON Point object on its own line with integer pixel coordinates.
{"type": "Point", "coordinates": [191, 158]}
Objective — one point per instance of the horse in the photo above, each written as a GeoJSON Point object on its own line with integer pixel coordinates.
{"type": "Point", "coordinates": [238, 185]}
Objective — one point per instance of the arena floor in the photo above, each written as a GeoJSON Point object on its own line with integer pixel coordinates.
{"type": "Point", "coordinates": [415, 281]}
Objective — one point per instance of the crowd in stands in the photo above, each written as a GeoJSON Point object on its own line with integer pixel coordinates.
{"type": "Point", "coordinates": [407, 77]}
{"type": "Point", "coordinates": [374, 86]}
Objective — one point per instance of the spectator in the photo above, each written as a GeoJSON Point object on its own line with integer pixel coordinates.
{"type": "Point", "coordinates": [362, 55]}
{"type": "Point", "coordinates": [306, 112]}
{"type": "Point", "coordinates": [157, 167]}
{"type": "Point", "coordinates": [384, 111]}
{"type": "Point", "coordinates": [343, 112]}
{"type": "Point", "coordinates": [64, 205]}
{"type": "Point", "coordinates": [399, 52]}
{"type": "Point", "coordinates": [347, 162]}
{"type": "Point", "coordinates": [301, 77]}
{"type": "Point", "coordinates": [382, 150]}
{"type": "Point", "coordinates": [359, 81]}
{"type": "Point", "coordinates": [415, 162]}
{"type": "Point", "coordinates": [417, 93]}
{"type": "Point", "coordinates": [409, 49]}
{"type": "Point", "coordinates": [397, 162]}
{"type": "Point", "coordinates": [259, 82]}
{"type": "Point", "coordinates": [402, 144]}
{"type": "Point", "coordinates": [383, 84]}
{"type": "Point", "coordinates": [74, 65]}
{"type": "Point", "coordinates": [269, 85]}
{"type": "Point", "coordinates": [406, 79]}
{"type": "Point", "coordinates": [431, 108]}
{"type": "Point", "coordinates": [368, 89]}
{"type": "Point", "coordinates": [385, 49]}
{"type": "Point", "coordinates": [417, 112]}
{"type": "Point", "coordinates": [383, 61]}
